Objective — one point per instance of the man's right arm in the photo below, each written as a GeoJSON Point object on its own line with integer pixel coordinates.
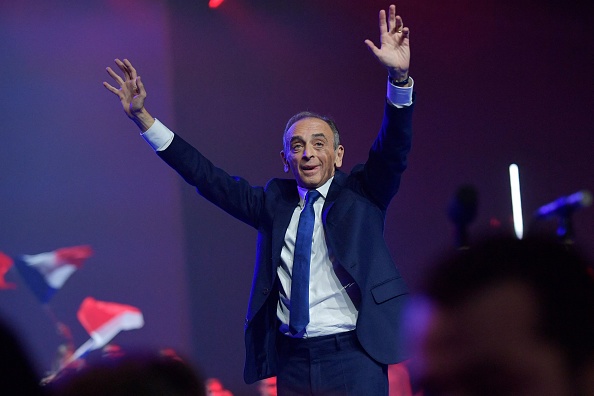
{"type": "Point", "coordinates": [232, 194]}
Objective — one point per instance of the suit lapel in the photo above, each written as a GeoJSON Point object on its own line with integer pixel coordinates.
{"type": "Point", "coordinates": [335, 187]}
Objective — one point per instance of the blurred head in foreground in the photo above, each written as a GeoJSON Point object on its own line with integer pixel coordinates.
{"type": "Point", "coordinates": [506, 317]}
{"type": "Point", "coordinates": [134, 374]}
{"type": "Point", "coordinates": [17, 376]}
{"type": "Point", "coordinates": [267, 387]}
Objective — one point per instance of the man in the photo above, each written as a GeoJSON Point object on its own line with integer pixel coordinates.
{"type": "Point", "coordinates": [507, 317]}
{"type": "Point", "coordinates": [325, 300]}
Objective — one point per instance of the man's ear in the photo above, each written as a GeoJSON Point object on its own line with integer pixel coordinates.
{"type": "Point", "coordinates": [339, 156]}
{"type": "Point", "coordinates": [285, 163]}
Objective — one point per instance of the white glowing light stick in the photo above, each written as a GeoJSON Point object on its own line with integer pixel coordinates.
{"type": "Point", "coordinates": [516, 196]}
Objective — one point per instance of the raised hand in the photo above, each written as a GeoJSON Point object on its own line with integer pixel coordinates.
{"type": "Point", "coordinates": [131, 93]}
{"type": "Point", "coordinates": [394, 50]}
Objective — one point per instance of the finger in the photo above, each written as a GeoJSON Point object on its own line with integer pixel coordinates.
{"type": "Point", "coordinates": [131, 68]}
{"type": "Point", "coordinates": [392, 17]}
{"type": "Point", "coordinates": [372, 47]}
{"type": "Point", "coordinates": [140, 85]}
{"type": "Point", "coordinates": [123, 68]}
{"type": "Point", "coordinates": [111, 88]}
{"type": "Point", "coordinates": [398, 24]}
{"type": "Point", "coordinates": [406, 33]}
{"type": "Point", "coordinates": [115, 76]}
{"type": "Point", "coordinates": [383, 26]}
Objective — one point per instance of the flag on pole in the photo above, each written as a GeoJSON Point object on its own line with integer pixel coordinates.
{"type": "Point", "coordinates": [104, 320]}
{"type": "Point", "coordinates": [46, 273]}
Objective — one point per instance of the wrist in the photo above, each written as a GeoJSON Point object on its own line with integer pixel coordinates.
{"type": "Point", "coordinates": [399, 81]}
{"type": "Point", "coordinates": [143, 119]}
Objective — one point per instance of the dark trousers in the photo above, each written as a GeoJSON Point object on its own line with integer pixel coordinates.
{"type": "Point", "coordinates": [334, 365]}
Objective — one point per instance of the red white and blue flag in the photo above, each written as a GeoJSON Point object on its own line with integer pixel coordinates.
{"type": "Point", "coordinates": [46, 273]}
{"type": "Point", "coordinates": [104, 320]}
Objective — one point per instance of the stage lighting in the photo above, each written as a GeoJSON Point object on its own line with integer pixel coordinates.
{"type": "Point", "coordinates": [514, 180]}
{"type": "Point", "coordinates": [215, 3]}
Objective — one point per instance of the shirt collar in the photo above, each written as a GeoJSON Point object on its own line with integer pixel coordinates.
{"type": "Point", "coordinates": [323, 190]}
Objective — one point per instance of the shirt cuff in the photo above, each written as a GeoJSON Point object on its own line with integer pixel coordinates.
{"type": "Point", "coordinates": [158, 136]}
{"type": "Point", "coordinates": [400, 96]}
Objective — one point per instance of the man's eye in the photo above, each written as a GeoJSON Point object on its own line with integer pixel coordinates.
{"type": "Point", "coordinates": [296, 147]}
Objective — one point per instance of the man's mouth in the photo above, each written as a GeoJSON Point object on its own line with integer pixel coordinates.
{"type": "Point", "coordinates": [309, 169]}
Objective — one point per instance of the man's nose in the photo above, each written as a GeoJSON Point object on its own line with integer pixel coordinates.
{"type": "Point", "coordinates": [308, 151]}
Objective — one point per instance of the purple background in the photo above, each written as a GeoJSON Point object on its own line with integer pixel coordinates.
{"type": "Point", "coordinates": [496, 83]}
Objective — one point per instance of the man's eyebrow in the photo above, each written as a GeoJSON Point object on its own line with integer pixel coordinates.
{"type": "Point", "coordinates": [314, 136]}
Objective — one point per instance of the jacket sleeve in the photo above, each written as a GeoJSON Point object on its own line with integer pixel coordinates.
{"type": "Point", "coordinates": [381, 174]}
{"type": "Point", "coordinates": [232, 194]}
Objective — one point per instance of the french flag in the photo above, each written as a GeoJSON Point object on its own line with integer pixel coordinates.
{"type": "Point", "coordinates": [46, 273]}
{"type": "Point", "coordinates": [104, 320]}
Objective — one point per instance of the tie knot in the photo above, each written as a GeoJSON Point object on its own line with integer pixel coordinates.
{"type": "Point", "coordinates": [311, 197]}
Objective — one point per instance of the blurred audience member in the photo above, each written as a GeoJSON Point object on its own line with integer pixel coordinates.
{"type": "Point", "coordinates": [506, 317]}
{"type": "Point", "coordinates": [144, 374]}
{"type": "Point", "coordinates": [267, 387]}
{"type": "Point", "coordinates": [214, 387]}
{"type": "Point", "coordinates": [399, 380]}
{"type": "Point", "coordinates": [17, 376]}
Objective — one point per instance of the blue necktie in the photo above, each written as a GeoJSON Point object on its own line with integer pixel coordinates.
{"type": "Point", "coordinates": [299, 316]}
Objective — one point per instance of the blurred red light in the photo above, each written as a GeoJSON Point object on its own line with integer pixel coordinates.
{"type": "Point", "coordinates": [215, 3]}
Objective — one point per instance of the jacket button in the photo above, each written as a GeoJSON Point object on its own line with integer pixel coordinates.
{"type": "Point", "coordinates": [265, 291]}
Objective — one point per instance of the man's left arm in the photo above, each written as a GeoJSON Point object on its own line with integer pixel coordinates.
{"type": "Point", "coordinates": [387, 157]}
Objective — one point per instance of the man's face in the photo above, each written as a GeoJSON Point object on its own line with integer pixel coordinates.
{"type": "Point", "coordinates": [310, 153]}
{"type": "Point", "coordinates": [489, 345]}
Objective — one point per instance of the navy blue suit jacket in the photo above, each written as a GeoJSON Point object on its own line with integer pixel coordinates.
{"type": "Point", "coordinates": [353, 217]}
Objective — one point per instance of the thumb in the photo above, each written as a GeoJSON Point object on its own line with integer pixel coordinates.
{"type": "Point", "coordinates": [372, 47]}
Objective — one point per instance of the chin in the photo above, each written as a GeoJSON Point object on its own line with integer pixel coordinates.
{"type": "Point", "coordinates": [309, 184]}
